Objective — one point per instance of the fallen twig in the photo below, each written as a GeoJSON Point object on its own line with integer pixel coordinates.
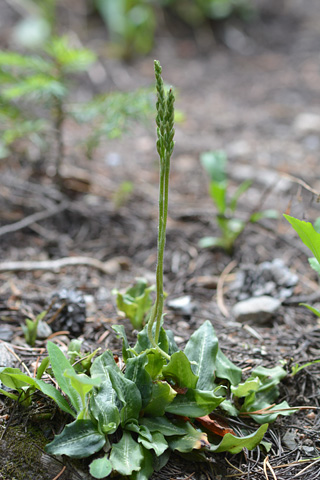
{"type": "Point", "coordinates": [35, 217]}
{"type": "Point", "coordinates": [220, 284]}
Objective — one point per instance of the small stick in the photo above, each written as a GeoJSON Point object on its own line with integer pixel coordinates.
{"type": "Point", "coordinates": [223, 309]}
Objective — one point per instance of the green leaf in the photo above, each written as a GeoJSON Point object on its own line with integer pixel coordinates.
{"type": "Point", "coordinates": [179, 370]}
{"type": "Point", "coordinates": [156, 443]}
{"type": "Point", "coordinates": [211, 242]}
{"type": "Point", "coordinates": [307, 233]}
{"type": "Point", "coordinates": [69, 59]}
{"type": "Point", "coordinates": [201, 350]}
{"type": "Point", "coordinates": [13, 378]}
{"type": "Point", "coordinates": [314, 264]}
{"type": "Point", "coordinates": [270, 417]}
{"type": "Point", "coordinates": [243, 389]}
{"type": "Point", "coordinates": [42, 367]}
{"type": "Point", "coordinates": [81, 383]}
{"type": "Point", "coordinates": [137, 373]}
{"type": "Point", "coordinates": [214, 163]}
{"type": "Point", "coordinates": [128, 393]}
{"type": "Point", "coordinates": [162, 425]}
{"type": "Point", "coordinates": [312, 309]}
{"type": "Point", "coordinates": [194, 403]}
{"type": "Point", "coordinates": [271, 213]}
{"type": "Point", "coordinates": [79, 439]}
{"type": "Point", "coordinates": [53, 393]}
{"type": "Point", "coordinates": [225, 369]}
{"type": "Point", "coordinates": [192, 439]}
{"type": "Point", "coordinates": [59, 365]}
{"type": "Point", "coordinates": [155, 363]}
{"type": "Point", "coordinates": [100, 467]}
{"type": "Point", "coordinates": [162, 395]}
{"type": "Point", "coordinates": [237, 194]}
{"type": "Point", "coordinates": [146, 467]}
{"type": "Point", "coordinates": [103, 407]}
{"type": "Point", "coordinates": [36, 87]}
{"type": "Point", "coordinates": [218, 193]}
{"type": "Point", "coordinates": [127, 455]}
{"type": "Point", "coordinates": [233, 444]}
{"type": "Point", "coordinates": [9, 395]}
{"type": "Point", "coordinates": [143, 342]}
{"type": "Point", "coordinates": [99, 367]}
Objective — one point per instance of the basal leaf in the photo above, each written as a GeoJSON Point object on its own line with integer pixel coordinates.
{"type": "Point", "coordinates": [192, 439]}
{"type": "Point", "coordinates": [314, 264]}
{"type": "Point", "coordinates": [81, 383]}
{"type": "Point", "coordinates": [215, 163]}
{"type": "Point", "coordinates": [126, 455]}
{"type": "Point", "coordinates": [162, 395]}
{"type": "Point", "coordinates": [194, 403]}
{"type": "Point", "coordinates": [59, 365]}
{"type": "Point", "coordinates": [79, 439]}
{"type": "Point", "coordinates": [143, 342]}
{"type": "Point", "coordinates": [282, 408]}
{"type": "Point", "coordinates": [100, 467]}
{"type": "Point", "coordinates": [146, 467]}
{"type": "Point", "coordinates": [202, 349]}
{"type": "Point", "coordinates": [233, 444]}
{"type": "Point", "coordinates": [119, 329]}
{"type": "Point", "coordinates": [155, 363]}
{"type": "Point", "coordinates": [53, 393]}
{"type": "Point", "coordinates": [243, 389]}
{"type": "Point", "coordinates": [307, 233]}
{"type": "Point", "coordinates": [128, 393]}
{"type": "Point", "coordinates": [99, 367]}
{"type": "Point", "coordinates": [157, 443]}
{"type": "Point", "coordinates": [103, 407]}
{"type": "Point", "coordinates": [225, 369]}
{"type": "Point", "coordinates": [137, 373]}
{"type": "Point", "coordinates": [162, 425]}
{"type": "Point", "coordinates": [179, 371]}
{"type": "Point", "coordinates": [14, 378]}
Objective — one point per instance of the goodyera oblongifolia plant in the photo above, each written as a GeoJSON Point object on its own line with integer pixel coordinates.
{"type": "Point", "coordinates": [165, 145]}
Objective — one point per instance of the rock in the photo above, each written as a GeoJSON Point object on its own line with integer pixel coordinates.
{"type": "Point", "coordinates": [183, 305]}
{"type": "Point", "coordinates": [43, 330]}
{"type": "Point", "coordinates": [307, 122]}
{"type": "Point", "coordinates": [7, 359]}
{"type": "Point", "coordinates": [256, 309]}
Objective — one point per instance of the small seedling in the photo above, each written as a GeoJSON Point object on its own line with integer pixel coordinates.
{"type": "Point", "coordinates": [136, 302]}
{"type": "Point", "coordinates": [30, 329]}
{"type": "Point", "coordinates": [310, 235]}
{"type": "Point", "coordinates": [215, 164]}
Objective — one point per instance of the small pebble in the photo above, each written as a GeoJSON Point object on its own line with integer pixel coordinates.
{"type": "Point", "coordinates": [256, 309]}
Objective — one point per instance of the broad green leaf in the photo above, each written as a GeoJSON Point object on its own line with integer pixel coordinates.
{"type": "Point", "coordinates": [218, 194]}
{"type": "Point", "coordinates": [53, 393]}
{"type": "Point", "coordinates": [192, 439]}
{"type": "Point", "coordinates": [13, 378]}
{"type": "Point", "coordinates": [42, 367]}
{"type": "Point", "coordinates": [100, 467]}
{"type": "Point", "coordinates": [103, 407]}
{"type": "Point", "coordinates": [128, 393]}
{"type": "Point", "coordinates": [155, 363]}
{"type": "Point", "coordinates": [59, 365]}
{"type": "Point", "coordinates": [202, 349]}
{"type": "Point", "coordinates": [162, 425]}
{"type": "Point", "coordinates": [307, 233]}
{"type": "Point", "coordinates": [157, 442]}
{"type": "Point", "coordinates": [243, 389]}
{"type": "Point", "coordinates": [232, 444]}
{"type": "Point", "coordinates": [225, 369]}
{"type": "Point", "coordinates": [179, 371]}
{"type": "Point", "coordinates": [9, 395]}
{"type": "Point", "coordinates": [79, 439]}
{"type": "Point", "coordinates": [137, 373]}
{"type": "Point", "coordinates": [162, 395]}
{"type": "Point", "coordinates": [269, 376]}
{"type": "Point", "coordinates": [99, 368]}
{"type": "Point", "coordinates": [314, 264]}
{"type": "Point", "coordinates": [143, 342]}
{"type": "Point", "coordinates": [127, 455]}
{"type": "Point", "coordinates": [194, 403]}
{"type": "Point", "coordinates": [82, 383]}
{"type": "Point", "coordinates": [146, 467]}
{"type": "Point", "coordinates": [270, 417]}
{"type": "Point", "coordinates": [312, 309]}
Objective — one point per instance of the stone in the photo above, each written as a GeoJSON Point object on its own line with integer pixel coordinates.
{"type": "Point", "coordinates": [256, 309]}
{"type": "Point", "coordinates": [307, 122]}
{"type": "Point", "coordinates": [7, 359]}
{"type": "Point", "coordinates": [43, 331]}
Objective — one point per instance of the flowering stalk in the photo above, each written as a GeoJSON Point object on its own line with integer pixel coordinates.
{"type": "Point", "coordinates": [165, 145]}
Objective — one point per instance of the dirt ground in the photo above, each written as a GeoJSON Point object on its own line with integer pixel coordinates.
{"type": "Point", "coordinates": [253, 95]}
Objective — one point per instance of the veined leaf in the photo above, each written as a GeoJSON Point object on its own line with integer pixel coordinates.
{"type": "Point", "coordinates": [192, 439]}
{"type": "Point", "coordinates": [162, 425]}
{"type": "Point", "coordinates": [53, 393]}
{"type": "Point", "coordinates": [128, 393]}
{"type": "Point", "coordinates": [119, 329]}
{"type": "Point", "coordinates": [157, 442]}
{"type": "Point", "coordinates": [155, 363]}
{"type": "Point", "coordinates": [162, 396]}
{"type": "Point", "coordinates": [146, 466]}
{"type": "Point", "coordinates": [195, 403]}
{"type": "Point", "coordinates": [233, 444]}
{"type": "Point", "coordinates": [59, 365]}
{"type": "Point", "coordinates": [143, 342]}
{"type": "Point", "coordinates": [99, 368]}
{"type": "Point", "coordinates": [179, 370]}
{"type": "Point", "coordinates": [137, 373]}
{"type": "Point", "coordinates": [79, 439]}
{"type": "Point", "coordinates": [243, 389]}
{"type": "Point", "coordinates": [103, 407]}
{"type": "Point", "coordinates": [127, 455]}
{"type": "Point", "coordinates": [225, 369]}
{"type": "Point", "coordinates": [307, 233]}
{"type": "Point", "coordinates": [202, 349]}
{"type": "Point", "coordinates": [82, 384]}
{"type": "Point", "coordinates": [100, 467]}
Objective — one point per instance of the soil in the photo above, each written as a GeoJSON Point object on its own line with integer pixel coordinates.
{"type": "Point", "coordinates": [244, 93]}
